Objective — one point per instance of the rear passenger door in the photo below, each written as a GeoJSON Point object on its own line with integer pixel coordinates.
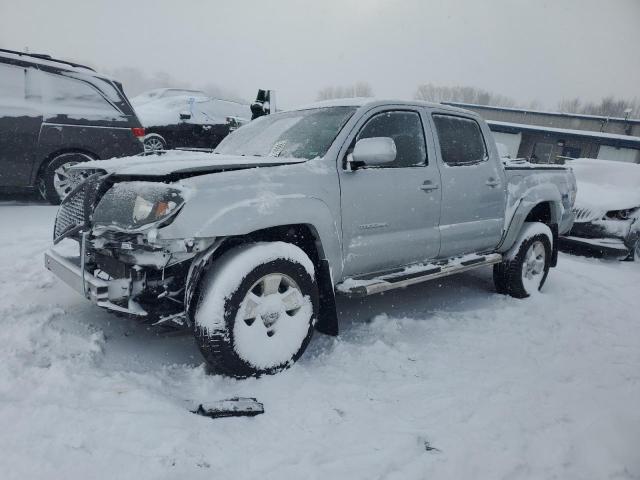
{"type": "Point", "coordinates": [20, 121]}
{"type": "Point", "coordinates": [473, 187]}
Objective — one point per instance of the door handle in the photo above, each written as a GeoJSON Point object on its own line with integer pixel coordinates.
{"type": "Point", "coordinates": [492, 182]}
{"type": "Point", "coordinates": [429, 187]}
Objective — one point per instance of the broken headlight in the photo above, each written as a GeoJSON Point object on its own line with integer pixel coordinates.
{"type": "Point", "coordinates": [135, 206]}
{"type": "Point", "coordinates": [621, 214]}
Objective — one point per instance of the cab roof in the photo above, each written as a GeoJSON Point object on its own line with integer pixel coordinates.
{"type": "Point", "coordinates": [375, 102]}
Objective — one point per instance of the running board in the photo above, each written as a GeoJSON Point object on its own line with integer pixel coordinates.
{"type": "Point", "coordinates": [368, 285]}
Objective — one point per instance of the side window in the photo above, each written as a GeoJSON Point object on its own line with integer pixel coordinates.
{"type": "Point", "coordinates": [12, 83]}
{"type": "Point", "coordinates": [69, 94]}
{"type": "Point", "coordinates": [405, 128]}
{"type": "Point", "coordinates": [461, 141]}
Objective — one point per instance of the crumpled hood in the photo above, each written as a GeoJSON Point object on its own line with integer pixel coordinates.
{"type": "Point", "coordinates": [178, 162]}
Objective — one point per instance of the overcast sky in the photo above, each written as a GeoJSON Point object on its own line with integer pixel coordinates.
{"type": "Point", "coordinates": [525, 49]}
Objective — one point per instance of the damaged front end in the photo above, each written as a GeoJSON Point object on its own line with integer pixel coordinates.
{"type": "Point", "coordinates": [119, 260]}
{"type": "Point", "coordinates": [615, 232]}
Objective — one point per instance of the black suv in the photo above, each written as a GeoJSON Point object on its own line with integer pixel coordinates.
{"type": "Point", "coordinates": [54, 114]}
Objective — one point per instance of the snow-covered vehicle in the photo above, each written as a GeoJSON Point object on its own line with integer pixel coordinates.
{"type": "Point", "coordinates": [248, 246]}
{"type": "Point", "coordinates": [159, 93]}
{"type": "Point", "coordinates": [607, 208]}
{"type": "Point", "coordinates": [188, 121]}
{"type": "Point", "coordinates": [54, 114]}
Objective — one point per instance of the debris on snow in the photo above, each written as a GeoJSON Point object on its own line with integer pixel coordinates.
{"type": "Point", "coordinates": [232, 407]}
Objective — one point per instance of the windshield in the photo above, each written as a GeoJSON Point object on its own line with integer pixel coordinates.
{"type": "Point", "coordinates": [297, 134]}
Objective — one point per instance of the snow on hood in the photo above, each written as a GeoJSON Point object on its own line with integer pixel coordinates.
{"type": "Point", "coordinates": [606, 184]}
{"type": "Point", "coordinates": [181, 162]}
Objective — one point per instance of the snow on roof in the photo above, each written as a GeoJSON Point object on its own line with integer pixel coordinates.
{"type": "Point", "coordinates": [52, 62]}
{"type": "Point", "coordinates": [565, 131]}
{"type": "Point", "coordinates": [337, 102]}
{"type": "Point", "coordinates": [541, 112]}
{"type": "Point", "coordinates": [362, 101]}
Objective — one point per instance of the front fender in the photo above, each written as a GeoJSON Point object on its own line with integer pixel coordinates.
{"type": "Point", "coordinates": [267, 210]}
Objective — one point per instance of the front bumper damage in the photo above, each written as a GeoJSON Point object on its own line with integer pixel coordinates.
{"type": "Point", "coordinates": [70, 270]}
{"type": "Point", "coordinates": [125, 278]}
{"type": "Point", "coordinates": [135, 272]}
{"type": "Point", "coordinates": [607, 237]}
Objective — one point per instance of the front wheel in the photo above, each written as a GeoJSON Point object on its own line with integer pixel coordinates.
{"type": "Point", "coordinates": [256, 309]}
{"type": "Point", "coordinates": [526, 266]}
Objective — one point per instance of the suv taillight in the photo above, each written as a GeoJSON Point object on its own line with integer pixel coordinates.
{"type": "Point", "coordinates": [138, 132]}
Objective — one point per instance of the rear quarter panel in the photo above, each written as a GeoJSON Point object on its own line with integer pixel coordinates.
{"type": "Point", "coordinates": [526, 188]}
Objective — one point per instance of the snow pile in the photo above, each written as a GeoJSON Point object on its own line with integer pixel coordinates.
{"type": "Point", "coordinates": [547, 387]}
{"type": "Point", "coordinates": [605, 185]}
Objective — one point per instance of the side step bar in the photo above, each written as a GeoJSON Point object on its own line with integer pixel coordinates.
{"type": "Point", "coordinates": [368, 285]}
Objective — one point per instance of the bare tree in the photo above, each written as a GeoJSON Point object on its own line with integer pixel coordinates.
{"type": "Point", "coordinates": [607, 107]}
{"type": "Point", "coordinates": [463, 94]}
{"type": "Point", "coordinates": [358, 89]}
{"type": "Point", "coordinates": [570, 105]}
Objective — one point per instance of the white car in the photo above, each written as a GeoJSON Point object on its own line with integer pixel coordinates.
{"type": "Point", "coordinates": [607, 208]}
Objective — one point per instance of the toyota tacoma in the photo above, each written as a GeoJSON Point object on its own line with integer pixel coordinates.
{"type": "Point", "coordinates": [248, 246]}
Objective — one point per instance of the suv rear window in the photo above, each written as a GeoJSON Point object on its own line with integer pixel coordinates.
{"type": "Point", "coordinates": [68, 94]}
{"type": "Point", "coordinates": [461, 141]}
{"type": "Point", "coordinates": [11, 82]}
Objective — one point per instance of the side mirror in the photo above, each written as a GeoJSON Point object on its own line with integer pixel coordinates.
{"type": "Point", "coordinates": [374, 151]}
{"type": "Point", "coordinates": [185, 115]}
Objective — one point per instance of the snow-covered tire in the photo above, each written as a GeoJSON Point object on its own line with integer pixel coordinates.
{"type": "Point", "coordinates": [525, 267]}
{"type": "Point", "coordinates": [55, 182]}
{"type": "Point", "coordinates": [256, 309]}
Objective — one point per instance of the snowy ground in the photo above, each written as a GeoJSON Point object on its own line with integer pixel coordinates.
{"type": "Point", "coordinates": [543, 388]}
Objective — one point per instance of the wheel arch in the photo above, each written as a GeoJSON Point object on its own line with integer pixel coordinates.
{"type": "Point", "coordinates": [547, 211]}
{"type": "Point", "coordinates": [303, 235]}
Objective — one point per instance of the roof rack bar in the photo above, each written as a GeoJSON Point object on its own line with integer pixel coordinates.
{"type": "Point", "coordinates": [43, 56]}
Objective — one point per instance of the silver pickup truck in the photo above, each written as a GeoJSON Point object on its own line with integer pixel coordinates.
{"type": "Point", "coordinates": [248, 246]}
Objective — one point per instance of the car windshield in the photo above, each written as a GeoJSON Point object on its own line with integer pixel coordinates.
{"type": "Point", "coordinates": [297, 134]}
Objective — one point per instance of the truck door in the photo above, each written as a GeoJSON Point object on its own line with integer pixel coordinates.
{"type": "Point", "coordinates": [20, 121]}
{"type": "Point", "coordinates": [473, 187]}
{"type": "Point", "coordinates": [390, 213]}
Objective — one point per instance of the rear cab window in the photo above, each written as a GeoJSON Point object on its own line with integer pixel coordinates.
{"type": "Point", "coordinates": [461, 140]}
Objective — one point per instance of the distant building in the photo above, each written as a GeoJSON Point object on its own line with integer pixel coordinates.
{"type": "Point", "coordinates": [546, 137]}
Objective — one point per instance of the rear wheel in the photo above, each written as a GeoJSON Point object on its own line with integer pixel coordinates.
{"type": "Point", "coordinates": [154, 143]}
{"type": "Point", "coordinates": [256, 309]}
{"type": "Point", "coordinates": [525, 268]}
{"type": "Point", "coordinates": [57, 181]}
